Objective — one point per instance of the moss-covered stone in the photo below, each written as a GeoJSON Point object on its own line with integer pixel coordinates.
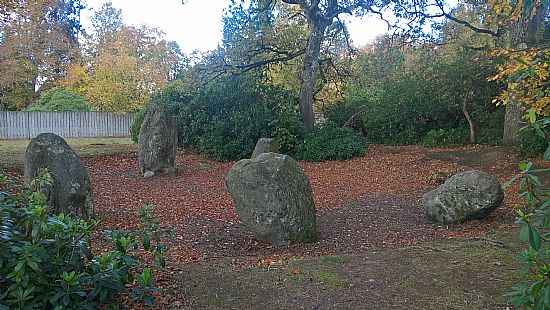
{"type": "Point", "coordinates": [464, 196]}
{"type": "Point", "coordinates": [273, 198]}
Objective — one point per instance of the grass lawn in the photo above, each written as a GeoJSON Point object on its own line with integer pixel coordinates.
{"type": "Point", "coordinates": [12, 152]}
{"type": "Point", "coordinates": [460, 274]}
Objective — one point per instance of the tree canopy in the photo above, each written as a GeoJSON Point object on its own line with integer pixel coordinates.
{"type": "Point", "coordinates": [37, 44]}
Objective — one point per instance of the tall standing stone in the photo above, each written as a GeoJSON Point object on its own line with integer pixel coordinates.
{"type": "Point", "coordinates": [71, 191]}
{"type": "Point", "coordinates": [273, 198]}
{"type": "Point", "coordinates": [265, 145]}
{"type": "Point", "coordinates": [464, 196]}
{"type": "Point", "coordinates": [158, 140]}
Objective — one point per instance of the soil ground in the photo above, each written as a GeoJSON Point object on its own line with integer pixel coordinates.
{"type": "Point", "coordinates": [376, 249]}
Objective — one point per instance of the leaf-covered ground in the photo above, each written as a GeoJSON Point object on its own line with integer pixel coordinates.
{"type": "Point", "coordinates": [363, 203]}
{"type": "Point", "coordinates": [365, 206]}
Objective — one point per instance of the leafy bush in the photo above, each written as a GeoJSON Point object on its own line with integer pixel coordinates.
{"type": "Point", "coordinates": [224, 118]}
{"type": "Point", "coordinates": [405, 137]}
{"type": "Point", "coordinates": [532, 145]}
{"type": "Point", "coordinates": [340, 111]}
{"type": "Point", "coordinates": [60, 100]}
{"type": "Point", "coordinates": [287, 127]}
{"type": "Point", "coordinates": [330, 142]}
{"type": "Point", "coordinates": [136, 124]}
{"type": "Point", "coordinates": [526, 74]}
{"type": "Point", "coordinates": [534, 218]}
{"type": "Point", "coordinates": [444, 138]}
{"type": "Point", "coordinates": [46, 261]}
{"type": "Point", "coordinates": [233, 137]}
{"type": "Point", "coordinates": [405, 94]}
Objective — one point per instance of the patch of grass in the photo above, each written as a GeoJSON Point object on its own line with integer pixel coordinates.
{"type": "Point", "coordinates": [330, 278]}
{"type": "Point", "coordinates": [12, 152]}
{"type": "Point", "coordinates": [337, 259]}
{"type": "Point", "coordinates": [423, 276]}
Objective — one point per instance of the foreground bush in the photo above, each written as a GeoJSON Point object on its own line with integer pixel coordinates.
{"type": "Point", "coordinates": [330, 142]}
{"type": "Point", "coordinates": [46, 262]}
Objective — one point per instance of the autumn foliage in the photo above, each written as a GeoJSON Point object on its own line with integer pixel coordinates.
{"type": "Point", "coordinates": [527, 74]}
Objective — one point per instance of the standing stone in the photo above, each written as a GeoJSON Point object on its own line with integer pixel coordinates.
{"type": "Point", "coordinates": [273, 198]}
{"type": "Point", "coordinates": [464, 196]}
{"type": "Point", "coordinates": [265, 145]}
{"type": "Point", "coordinates": [355, 123]}
{"type": "Point", "coordinates": [71, 191]}
{"type": "Point", "coordinates": [158, 140]}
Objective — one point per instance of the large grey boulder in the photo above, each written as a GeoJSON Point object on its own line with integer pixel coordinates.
{"type": "Point", "coordinates": [464, 196]}
{"type": "Point", "coordinates": [158, 140]}
{"type": "Point", "coordinates": [265, 145]}
{"type": "Point", "coordinates": [71, 191]}
{"type": "Point", "coordinates": [273, 198]}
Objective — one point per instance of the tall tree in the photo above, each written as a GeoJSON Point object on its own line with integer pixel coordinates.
{"type": "Point", "coordinates": [124, 65]}
{"type": "Point", "coordinates": [320, 16]}
{"type": "Point", "coordinates": [275, 35]}
{"type": "Point", "coordinates": [524, 31]}
{"type": "Point", "coordinates": [513, 25]}
{"type": "Point", "coordinates": [38, 42]}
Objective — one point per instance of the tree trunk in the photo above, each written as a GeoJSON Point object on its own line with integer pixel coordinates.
{"type": "Point", "coordinates": [512, 124]}
{"type": "Point", "coordinates": [522, 34]}
{"type": "Point", "coordinates": [470, 121]}
{"type": "Point", "coordinates": [317, 27]}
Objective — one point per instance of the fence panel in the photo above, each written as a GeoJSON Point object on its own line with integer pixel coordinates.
{"type": "Point", "coordinates": [27, 125]}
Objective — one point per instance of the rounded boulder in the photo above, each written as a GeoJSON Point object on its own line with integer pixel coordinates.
{"type": "Point", "coordinates": [464, 196]}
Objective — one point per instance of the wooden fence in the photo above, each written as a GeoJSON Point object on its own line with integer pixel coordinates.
{"type": "Point", "coordinates": [27, 125]}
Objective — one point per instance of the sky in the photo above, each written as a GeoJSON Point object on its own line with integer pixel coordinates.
{"type": "Point", "coordinates": [197, 25]}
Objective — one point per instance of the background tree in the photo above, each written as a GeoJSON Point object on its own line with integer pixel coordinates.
{"type": "Point", "coordinates": [38, 42]}
{"type": "Point", "coordinates": [124, 65]}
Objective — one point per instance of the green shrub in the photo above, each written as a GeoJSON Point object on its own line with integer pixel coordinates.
{"type": "Point", "coordinates": [532, 145]}
{"type": "Point", "coordinates": [340, 111]}
{"type": "Point", "coordinates": [136, 124]}
{"type": "Point", "coordinates": [534, 218]}
{"type": "Point", "coordinates": [233, 137]}
{"type": "Point", "coordinates": [224, 118]}
{"type": "Point", "coordinates": [287, 127]}
{"type": "Point", "coordinates": [445, 138]}
{"type": "Point", "coordinates": [405, 137]}
{"type": "Point", "coordinates": [60, 100]}
{"type": "Point", "coordinates": [330, 142]}
{"type": "Point", "coordinates": [46, 261]}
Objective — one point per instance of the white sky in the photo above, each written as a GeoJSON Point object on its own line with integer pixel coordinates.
{"type": "Point", "coordinates": [197, 24]}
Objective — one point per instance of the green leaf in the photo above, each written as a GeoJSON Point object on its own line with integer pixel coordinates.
{"type": "Point", "coordinates": [84, 249]}
{"type": "Point", "coordinates": [533, 179]}
{"type": "Point", "coordinates": [522, 182]}
{"type": "Point", "coordinates": [532, 116]}
{"type": "Point", "coordinates": [146, 242]}
{"type": "Point", "coordinates": [547, 153]}
{"type": "Point", "coordinates": [33, 265]}
{"type": "Point", "coordinates": [534, 238]}
{"type": "Point", "coordinates": [546, 293]}
{"type": "Point", "coordinates": [520, 60]}
{"type": "Point", "coordinates": [525, 166]}
{"type": "Point", "coordinates": [524, 233]}
{"type": "Point", "coordinates": [510, 181]}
